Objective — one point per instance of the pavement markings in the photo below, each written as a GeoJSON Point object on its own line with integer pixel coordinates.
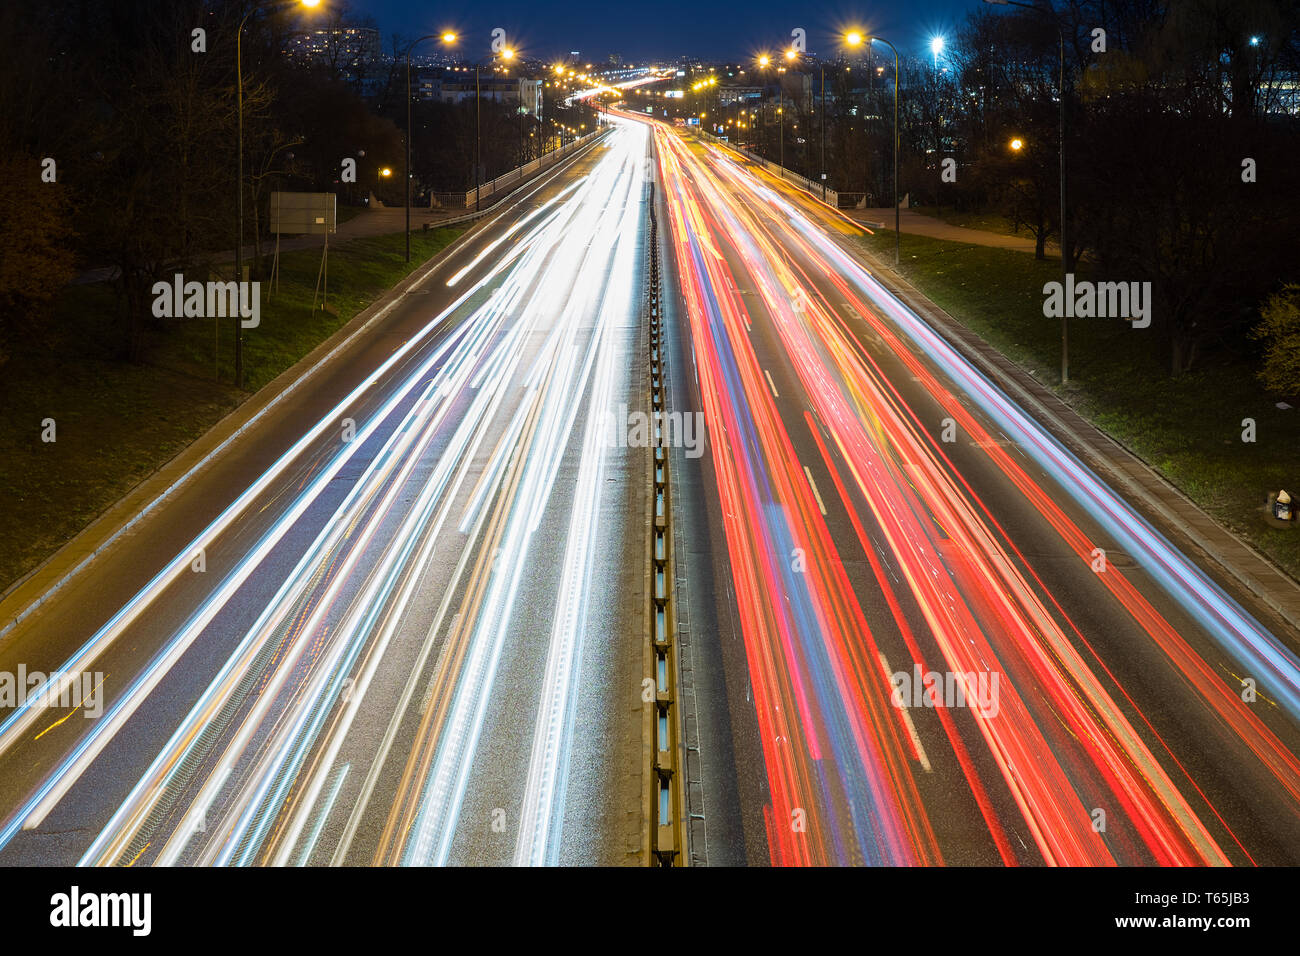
{"type": "Point", "coordinates": [812, 484]}
{"type": "Point", "coordinates": [907, 719]}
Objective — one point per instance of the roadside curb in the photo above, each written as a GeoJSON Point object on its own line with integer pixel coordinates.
{"type": "Point", "coordinates": [1177, 515]}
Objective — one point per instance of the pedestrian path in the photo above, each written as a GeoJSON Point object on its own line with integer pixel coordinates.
{"type": "Point", "coordinates": [918, 224]}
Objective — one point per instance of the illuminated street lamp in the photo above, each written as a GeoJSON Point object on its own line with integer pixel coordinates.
{"type": "Point", "coordinates": [855, 39]}
{"type": "Point", "coordinates": [239, 179]}
{"type": "Point", "coordinates": [446, 37]}
{"type": "Point", "coordinates": [791, 55]}
{"type": "Point", "coordinates": [506, 54]}
{"type": "Point", "coordinates": [1065, 246]}
{"type": "Point", "coordinates": [764, 61]}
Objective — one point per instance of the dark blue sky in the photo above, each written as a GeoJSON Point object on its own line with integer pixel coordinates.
{"type": "Point", "coordinates": [640, 30]}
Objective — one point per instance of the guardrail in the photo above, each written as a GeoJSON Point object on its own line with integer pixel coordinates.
{"type": "Point", "coordinates": [480, 213]}
{"type": "Point", "coordinates": [667, 805]}
{"type": "Point", "coordinates": [829, 196]}
{"type": "Point", "coordinates": [508, 180]}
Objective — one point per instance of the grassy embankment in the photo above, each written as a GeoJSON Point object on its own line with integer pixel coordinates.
{"type": "Point", "coordinates": [117, 422]}
{"type": "Point", "coordinates": [1189, 428]}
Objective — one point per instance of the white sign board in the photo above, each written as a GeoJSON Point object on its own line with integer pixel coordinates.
{"type": "Point", "coordinates": [313, 214]}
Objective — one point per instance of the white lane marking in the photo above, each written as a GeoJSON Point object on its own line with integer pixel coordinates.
{"type": "Point", "coordinates": [813, 485]}
{"type": "Point", "coordinates": [771, 384]}
{"type": "Point", "coordinates": [907, 719]}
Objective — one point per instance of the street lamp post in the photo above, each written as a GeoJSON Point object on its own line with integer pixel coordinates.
{"type": "Point", "coordinates": [239, 180]}
{"type": "Point", "coordinates": [823, 124]}
{"type": "Point", "coordinates": [790, 56]}
{"type": "Point", "coordinates": [1065, 246]}
{"type": "Point", "coordinates": [506, 54]}
{"type": "Point", "coordinates": [445, 38]}
{"type": "Point", "coordinates": [854, 39]}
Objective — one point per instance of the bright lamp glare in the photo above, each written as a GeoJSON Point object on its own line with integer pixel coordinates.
{"type": "Point", "coordinates": [853, 39]}
{"type": "Point", "coordinates": [936, 45]}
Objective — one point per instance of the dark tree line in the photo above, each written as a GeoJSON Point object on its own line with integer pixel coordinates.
{"type": "Point", "coordinates": [142, 127]}
{"type": "Point", "coordinates": [1159, 126]}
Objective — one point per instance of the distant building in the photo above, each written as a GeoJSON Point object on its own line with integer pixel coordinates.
{"type": "Point", "coordinates": [736, 94]}
{"type": "Point", "coordinates": [458, 86]}
{"type": "Point", "coordinates": [1281, 96]}
{"type": "Point", "coordinates": [796, 88]}
{"type": "Point", "coordinates": [343, 48]}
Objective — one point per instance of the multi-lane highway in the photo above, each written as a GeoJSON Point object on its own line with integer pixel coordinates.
{"type": "Point", "coordinates": [940, 638]}
{"type": "Point", "coordinates": [399, 619]}
{"type": "Point", "coordinates": [384, 625]}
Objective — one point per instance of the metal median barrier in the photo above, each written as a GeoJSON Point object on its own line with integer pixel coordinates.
{"type": "Point", "coordinates": [667, 834]}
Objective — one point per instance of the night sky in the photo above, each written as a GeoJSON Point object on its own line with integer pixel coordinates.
{"type": "Point", "coordinates": [667, 29]}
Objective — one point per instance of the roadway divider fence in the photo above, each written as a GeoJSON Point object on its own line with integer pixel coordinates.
{"type": "Point", "coordinates": [512, 178]}
{"type": "Point", "coordinates": [667, 832]}
{"type": "Point", "coordinates": [829, 196]}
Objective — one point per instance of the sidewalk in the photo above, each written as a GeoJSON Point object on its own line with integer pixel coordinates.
{"type": "Point", "coordinates": [917, 224]}
{"type": "Point", "coordinates": [383, 220]}
{"type": "Point", "coordinates": [369, 222]}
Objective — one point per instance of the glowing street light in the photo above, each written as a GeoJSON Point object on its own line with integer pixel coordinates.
{"type": "Point", "coordinates": [854, 39]}
{"type": "Point", "coordinates": [239, 181]}
{"type": "Point", "coordinates": [1065, 244]}
{"type": "Point", "coordinates": [446, 37]}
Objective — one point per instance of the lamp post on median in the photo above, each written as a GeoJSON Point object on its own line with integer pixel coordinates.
{"type": "Point", "coordinates": [447, 37]}
{"type": "Point", "coordinates": [1065, 246]}
{"type": "Point", "coordinates": [239, 179]}
{"type": "Point", "coordinates": [855, 39]}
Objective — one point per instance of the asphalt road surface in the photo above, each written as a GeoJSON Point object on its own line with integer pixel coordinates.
{"type": "Point", "coordinates": [922, 631]}
{"type": "Point", "coordinates": [399, 620]}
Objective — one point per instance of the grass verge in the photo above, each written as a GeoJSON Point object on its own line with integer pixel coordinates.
{"type": "Point", "coordinates": [1189, 428]}
{"type": "Point", "coordinates": [116, 423]}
